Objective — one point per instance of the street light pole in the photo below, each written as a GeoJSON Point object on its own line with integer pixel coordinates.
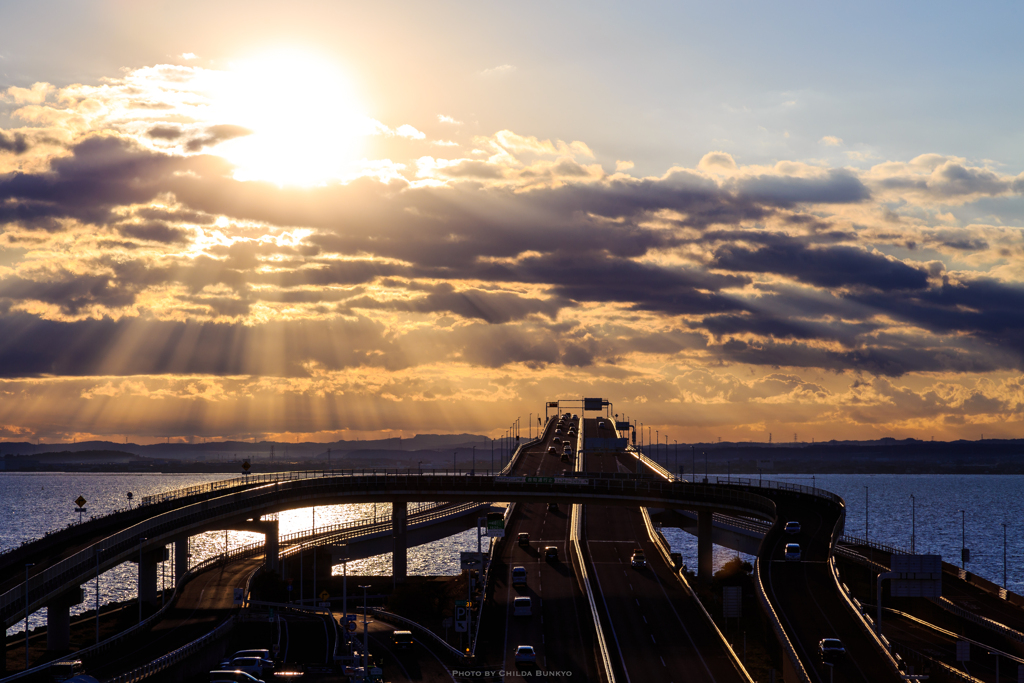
{"type": "Point", "coordinates": [98, 551]}
{"type": "Point", "coordinates": [141, 541]}
{"type": "Point", "coordinates": [963, 537]}
{"type": "Point", "coordinates": [913, 523]}
{"type": "Point", "coordinates": [865, 513]}
{"type": "Point", "coordinates": [1004, 556]}
{"type": "Point", "coordinates": [27, 566]}
{"type": "Point", "coordinates": [366, 635]}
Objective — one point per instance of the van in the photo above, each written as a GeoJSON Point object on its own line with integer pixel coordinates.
{"type": "Point", "coordinates": [522, 607]}
{"type": "Point", "coordinates": [402, 639]}
{"type": "Point", "coordinates": [519, 576]}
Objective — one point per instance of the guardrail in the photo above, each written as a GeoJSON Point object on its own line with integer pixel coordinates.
{"type": "Point", "coordinates": [398, 620]}
{"type": "Point", "coordinates": [780, 632]}
{"type": "Point", "coordinates": [602, 643]}
{"type": "Point", "coordinates": [172, 658]}
{"type": "Point", "coordinates": [168, 525]}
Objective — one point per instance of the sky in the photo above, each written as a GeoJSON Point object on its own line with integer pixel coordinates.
{"type": "Point", "coordinates": [340, 220]}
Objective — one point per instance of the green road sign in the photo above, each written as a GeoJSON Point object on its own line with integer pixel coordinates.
{"type": "Point", "coordinates": [540, 480]}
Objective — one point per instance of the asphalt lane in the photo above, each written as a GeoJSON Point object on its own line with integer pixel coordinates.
{"type": "Point", "coordinates": [559, 626]}
{"type": "Point", "coordinates": [806, 598]}
{"type": "Point", "coordinates": [659, 632]}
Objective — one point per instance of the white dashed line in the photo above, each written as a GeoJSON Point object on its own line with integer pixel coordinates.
{"type": "Point", "coordinates": [644, 618]}
{"type": "Point", "coordinates": [663, 661]}
{"type": "Point", "coordinates": [653, 640]}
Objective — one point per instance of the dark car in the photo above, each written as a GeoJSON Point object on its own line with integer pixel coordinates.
{"type": "Point", "coordinates": [524, 538]}
{"type": "Point", "coordinates": [831, 650]}
{"type": "Point", "coordinates": [551, 553]}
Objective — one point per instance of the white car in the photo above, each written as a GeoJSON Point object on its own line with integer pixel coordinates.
{"type": "Point", "coordinates": [257, 666]}
{"type": "Point", "coordinates": [792, 553]}
{"type": "Point", "coordinates": [262, 654]}
{"type": "Point", "coordinates": [521, 607]}
{"type": "Point", "coordinates": [232, 676]}
{"type": "Point", "coordinates": [519, 576]}
{"type": "Point", "coordinates": [792, 527]}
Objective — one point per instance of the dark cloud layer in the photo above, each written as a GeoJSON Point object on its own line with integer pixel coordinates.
{"type": "Point", "coordinates": [684, 247]}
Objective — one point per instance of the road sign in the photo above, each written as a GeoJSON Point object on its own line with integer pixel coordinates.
{"type": "Point", "coordinates": [461, 618]}
{"type": "Point", "coordinates": [732, 599]}
{"type": "Point", "coordinates": [324, 595]}
{"type": "Point", "coordinates": [540, 480]}
{"type": "Point", "coordinates": [593, 403]}
{"type": "Point", "coordinates": [446, 622]}
{"type": "Point", "coordinates": [246, 465]}
{"type": "Point", "coordinates": [469, 560]}
{"type": "Point", "coordinates": [917, 576]}
{"type": "Point", "coordinates": [80, 502]}
{"type": "Point", "coordinates": [496, 524]}
{"type": "Point", "coordinates": [351, 626]}
{"type": "Point", "coordinates": [351, 617]}
{"type": "Point", "coordinates": [552, 404]}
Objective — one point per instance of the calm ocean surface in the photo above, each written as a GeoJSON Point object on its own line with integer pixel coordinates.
{"type": "Point", "coordinates": [33, 503]}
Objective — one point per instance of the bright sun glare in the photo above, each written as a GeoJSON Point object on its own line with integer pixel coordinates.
{"type": "Point", "coordinates": [307, 125]}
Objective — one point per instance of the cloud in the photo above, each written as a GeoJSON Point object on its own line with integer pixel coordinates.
{"type": "Point", "coordinates": [187, 56]}
{"type": "Point", "coordinates": [214, 135]}
{"type": "Point", "coordinates": [448, 119]}
{"type": "Point", "coordinates": [15, 143]}
{"type": "Point", "coordinates": [831, 141]}
{"type": "Point", "coordinates": [502, 70]}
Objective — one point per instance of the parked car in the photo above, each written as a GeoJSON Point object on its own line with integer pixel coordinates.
{"type": "Point", "coordinates": [831, 649]}
{"type": "Point", "coordinates": [639, 559]}
{"type": "Point", "coordinates": [792, 527]}
{"type": "Point", "coordinates": [232, 676]}
{"type": "Point", "coordinates": [792, 552]}
{"type": "Point", "coordinates": [519, 576]}
{"type": "Point", "coordinates": [522, 607]}
{"type": "Point", "coordinates": [525, 654]}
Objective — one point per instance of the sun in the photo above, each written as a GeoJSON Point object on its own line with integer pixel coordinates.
{"type": "Point", "coordinates": [307, 125]}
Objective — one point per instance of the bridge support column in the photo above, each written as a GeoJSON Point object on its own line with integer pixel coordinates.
{"type": "Point", "coordinates": [400, 552]}
{"type": "Point", "coordinates": [705, 564]}
{"type": "Point", "coordinates": [181, 555]}
{"type": "Point", "coordinates": [58, 620]}
{"type": "Point", "coordinates": [147, 573]}
{"type": "Point", "coordinates": [272, 559]}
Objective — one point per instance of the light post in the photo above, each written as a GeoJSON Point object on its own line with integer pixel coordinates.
{"type": "Point", "coordinates": [676, 441]}
{"type": "Point", "coordinates": [963, 539]}
{"type": "Point", "coordinates": [473, 468]}
{"type": "Point", "coordinates": [27, 566]}
{"type": "Point", "coordinates": [657, 441]}
{"type": "Point", "coordinates": [693, 462]}
{"type": "Point", "coordinates": [1004, 556]}
{"type": "Point", "coordinates": [530, 427]}
{"type": "Point", "coordinates": [366, 634]}
{"type": "Point", "coordinates": [705, 467]}
{"type": "Point", "coordinates": [913, 523]}
{"type": "Point", "coordinates": [141, 541]}
{"type": "Point", "coordinates": [453, 461]}
{"type": "Point", "coordinates": [98, 551]}
{"type": "Point", "coordinates": [419, 467]}
{"type": "Point", "coordinates": [865, 514]}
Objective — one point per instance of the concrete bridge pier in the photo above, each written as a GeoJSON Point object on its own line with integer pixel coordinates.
{"type": "Point", "coordinates": [271, 533]}
{"type": "Point", "coordinates": [58, 619]}
{"type": "Point", "coordinates": [150, 561]}
{"type": "Point", "coordinates": [181, 555]}
{"type": "Point", "coordinates": [705, 545]}
{"type": "Point", "coordinates": [400, 552]}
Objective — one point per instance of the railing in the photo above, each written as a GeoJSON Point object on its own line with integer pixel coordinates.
{"type": "Point", "coordinates": [665, 550]}
{"type": "Point", "coordinates": [168, 525]}
{"type": "Point", "coordinates": [780, 632]}
{"type": "Point", "coordinates": [854, 540]}
{"type": "Point", "coordinates": [574, 541]}
{"type": "Point", "coordinates": [393, 618]}
{"type": "Point", "coordinates": [172, 658]}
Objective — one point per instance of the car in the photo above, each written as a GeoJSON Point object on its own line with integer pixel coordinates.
{"type": "Point", "coordinates": [63, 671]}
{"type": "Point", "coordinates": [522, 607]}
{"type": "Point", "coordinates": [553, 507]}
{"type": "Point", "coordinates": [831, 649]}
{"type": "Point", "coordinates": [402, 639]}
{"type": "Point", "coordinates": [231, 676]}
{"type": "Point", "coordinates": [638, 560]}
{"type": "Point", "coordinates": [572, 431]}
{"type": "Point", "coordinates": [558, 439]}
{"type": "Point", "coordinates": [552, 451]}
{"type": "Point", "coordinates": [525, 654]}
{"type": "Point", "coordinates": [524, 538]}
{"type": "Point", "coordinates": [792, 527]}
{"type": "Point", "coordinates": [519, 576]}
{"type": "Point", "coordinates": [257, 666]}
{"type": "Point", "coordinates": [575, 417]}
{"type": "Point", "coordinates": [551, 553]}
{"type": "Point", "coordinates": [262, 654]}
{"type": "Point", "coordinates": [558, 431]}
{"type": "Point", "coordinates": [792, 553]}
{"type": "Point", "coordinates": [564, 458]}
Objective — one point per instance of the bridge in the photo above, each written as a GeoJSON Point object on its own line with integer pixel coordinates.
{"type": "Point", "coordinates": [638, 625]}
